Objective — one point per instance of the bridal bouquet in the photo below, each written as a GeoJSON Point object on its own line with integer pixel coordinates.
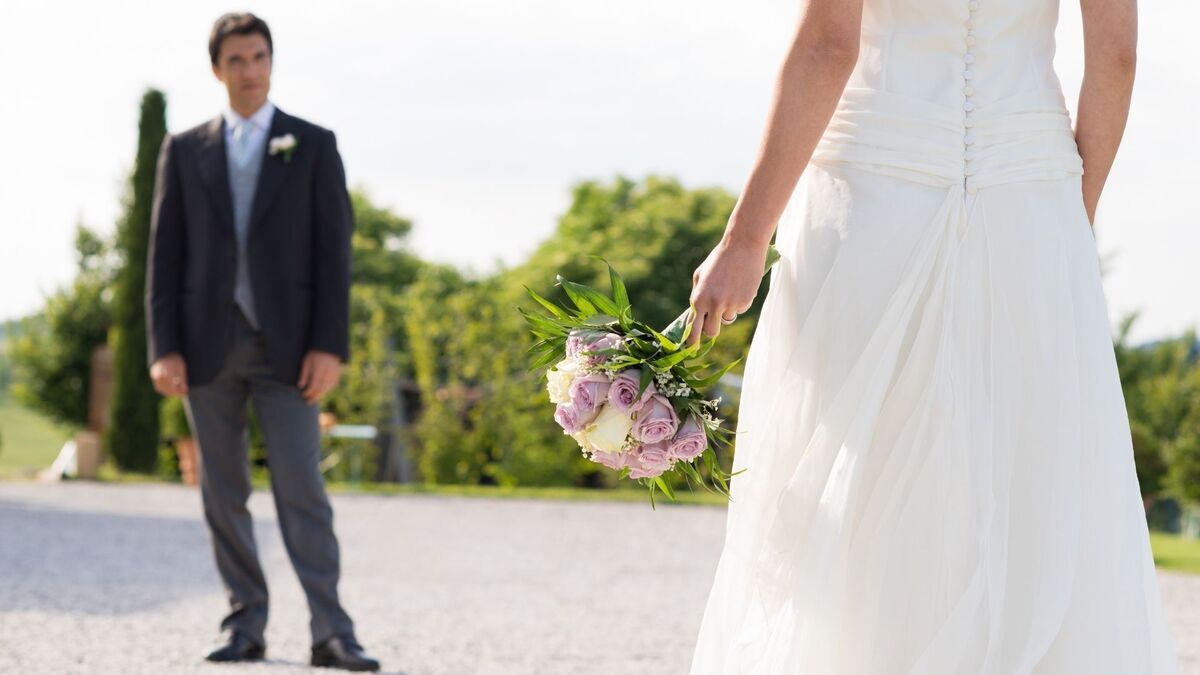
{"type": "Point", "coordinates": [630, 395]}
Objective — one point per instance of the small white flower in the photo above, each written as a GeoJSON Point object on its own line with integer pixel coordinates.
{"type": "Point", "coordinates": [286, 144]}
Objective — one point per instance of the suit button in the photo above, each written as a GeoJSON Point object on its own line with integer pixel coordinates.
{"type": "Point", "coordinates": [968, 58]}
{"type": "Point", "coordinates": [968, 106]}
{"type": "Point", "coordinates": [968, 122]}
{"type": "Point", "coordinates": [969, 139]}
{"type": "Point", "coordinates": [970, 40]}
{"type": "Point", "coordinates": [969, 90]}
{"type": "Point", "coordinates": [968, 74]}
{"type": "Point", "coordinates": [973, 5]}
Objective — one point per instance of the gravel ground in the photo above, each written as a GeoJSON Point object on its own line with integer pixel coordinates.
{"type": "Point", "coordinates": [119, 579]}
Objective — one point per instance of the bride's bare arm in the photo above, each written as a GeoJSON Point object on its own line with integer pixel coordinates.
{"type": "Point", "coordinates": [811, 80]}
{"type": "Point", "coordinates": [1110, 56]}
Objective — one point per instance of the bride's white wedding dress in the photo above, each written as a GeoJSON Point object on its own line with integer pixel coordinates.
{"type": "Point", "coordinates": [939, 474]}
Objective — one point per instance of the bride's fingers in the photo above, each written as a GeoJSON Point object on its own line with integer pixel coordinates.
{"type": "Point", "coordinates": [697, 325]}
{"type": "Point", "coordinates": [712, 322]}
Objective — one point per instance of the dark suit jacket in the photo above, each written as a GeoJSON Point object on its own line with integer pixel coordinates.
{"type": "Point", "coordinates": [298, 248]}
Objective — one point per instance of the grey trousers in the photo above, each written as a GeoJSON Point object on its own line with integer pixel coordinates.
{"type": "Point", "coordinates": [218, 415]}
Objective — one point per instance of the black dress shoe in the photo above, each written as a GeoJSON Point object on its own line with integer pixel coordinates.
{"type": "Point", "coordinates": [342, 652]}
{"type": "Point", "coordinates": [239, 647]}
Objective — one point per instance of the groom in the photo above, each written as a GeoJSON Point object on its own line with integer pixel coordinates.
{"type": "Point", "coordinates": [247, 302]}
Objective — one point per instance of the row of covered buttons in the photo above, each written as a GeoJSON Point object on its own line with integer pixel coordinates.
{"type": "Point", "coordinates": [969, 92]}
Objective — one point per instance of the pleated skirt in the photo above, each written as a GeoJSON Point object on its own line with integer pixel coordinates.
{"type": "Point", "coordinates": [938, 470]}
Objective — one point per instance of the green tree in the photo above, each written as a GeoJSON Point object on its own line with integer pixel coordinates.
{"type": "Point", "coordinates": [1161, 384]}
{"type": "Point", "coordinates": [6, 338]}
{"type": "Point", "coordinates": [52, 356]}
{"type": "Point", "coordinates": [364, 393]}
{"type": "Point", "coordinates": [656, 233]}
{"type": "Point", "coordinates": [383, 266]}
{"type": "Point", "coordinates": [485, 418]}
{"type": "Point", "coordinates": [380, 245]}
{"type": "Point", "coordinates": [132, 437]}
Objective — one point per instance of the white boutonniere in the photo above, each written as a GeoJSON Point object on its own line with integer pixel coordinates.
{"type": "Point", "coordinates": [285, 144]}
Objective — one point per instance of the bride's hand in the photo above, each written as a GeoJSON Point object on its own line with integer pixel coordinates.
{"type": "Point", "coordinates": [725, 285]}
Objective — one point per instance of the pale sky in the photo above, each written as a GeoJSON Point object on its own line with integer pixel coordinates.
{"type": "Point", "coordinates": [474, 117]}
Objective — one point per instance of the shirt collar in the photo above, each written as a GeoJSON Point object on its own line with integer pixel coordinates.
{"type": "Point", "coordinates": [261, 118]}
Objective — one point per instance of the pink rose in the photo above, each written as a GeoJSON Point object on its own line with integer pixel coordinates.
{"type": "Point", "coordinates": [613, 460]}
{"type": "Point", "coordinates": [623, 394]}
{"type": "Point", "coordinates": [690, 441]}
{"type": "Point", "coordinates": [580, 341]}
{"type": "Point", "coordinates": [570, 419]}
{"type": "Point", "coordinates": [656, 421]}
{"type": "Point", "coordinates": [648, 461]}
{"type": "Point", "coordinates": [588, 392]}
{"type": "Point", "coordinates": [575, 341]}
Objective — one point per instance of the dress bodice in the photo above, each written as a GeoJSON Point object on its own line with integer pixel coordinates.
{"type": "Point", "coordinates": [948, 51]}
{"type": "Point", "coordinates": [955, 92]}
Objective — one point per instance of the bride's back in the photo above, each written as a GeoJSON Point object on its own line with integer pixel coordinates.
{"type": "Point", "coordinates": [955, 92]}
{"type": "Point", "coordinates": [934, 49]}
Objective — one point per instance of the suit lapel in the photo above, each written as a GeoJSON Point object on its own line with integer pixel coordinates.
{"type": "Point", "coordinates": [274, 169]}
{"type": "Point", "coordinates": [214, 171]}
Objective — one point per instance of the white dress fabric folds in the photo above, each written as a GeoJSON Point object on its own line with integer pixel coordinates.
{"type": "Point", "coordinates": [939, 476]}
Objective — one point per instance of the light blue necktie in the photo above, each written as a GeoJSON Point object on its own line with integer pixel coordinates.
{"type": "Point", "coordinates": [240, 152]}
{"type": "Point", "coordinates": [244, 179]}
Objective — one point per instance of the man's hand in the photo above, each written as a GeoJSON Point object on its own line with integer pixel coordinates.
{"type": "Point", "coordinates": [169, 375]}
{"type": "Point", "coordinates": [319, 374]}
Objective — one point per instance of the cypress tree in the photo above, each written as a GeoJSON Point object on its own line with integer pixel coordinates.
{"type": "Point", "coordinates": [132, 437]}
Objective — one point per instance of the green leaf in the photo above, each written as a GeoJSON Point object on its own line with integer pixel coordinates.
{"type": "Point", "coordinates": [714, 469]}
{"type": "Point", "coordinates": [554, 309]}
{"type": "Point", "coordinates": [619, 293]}
{"type": "Point", "coordinates": [585, 307]}
{"type": "Point", "coordinates": [705, 383]}
{"type": "Point", "coordinates": [670, 360]}
{"type": "Point", "coordinates": [704, 350]}
{"type": "Point", "coordinates": [545, 329]}
{"type": "Point", "coordinates": [585, 296]}
{"type": "Point", "coordinates": [677, 330]}
{"type": "Point", "coordinates": [600, 321]}
{"type": "Point", "coordinates": [665, 487]}
{"type": "Point", "coordinates": [545, 360]}
{"type": "Point", "coordinates": [773, 256]}
{"type": "Point", "coordinates": [690, 471]}
{"type": "Point", "coordinates": [664, 340]}
{"type": "Point", "coordinates": [644, 381]}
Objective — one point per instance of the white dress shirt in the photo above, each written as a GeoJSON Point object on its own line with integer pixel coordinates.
{"type": "Point", "coordinates": [260, 126]}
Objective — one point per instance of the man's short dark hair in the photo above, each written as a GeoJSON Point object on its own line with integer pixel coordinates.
{"type": "Point", "coordinates": [237, 23]}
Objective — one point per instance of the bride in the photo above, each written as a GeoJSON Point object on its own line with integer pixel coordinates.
{"type": "Point", "coordinates": [939, 474]}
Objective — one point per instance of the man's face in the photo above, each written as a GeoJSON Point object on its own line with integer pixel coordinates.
{"type": "Point", "coordinates": [244, 66]}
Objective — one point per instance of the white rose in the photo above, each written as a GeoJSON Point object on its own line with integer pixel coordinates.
{"type": "Point", "coordinates": [607, 433]}
{"type": "Point", "coordinates": [582, 439]}
{"type": "Point", "coordinates": [282, 143]}
{"type": "Point", "coordinates": [558, 384]}
{"type": "Point", "coordinates": [568, 365]}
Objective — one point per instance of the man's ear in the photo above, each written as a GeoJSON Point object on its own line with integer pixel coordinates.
{"type": "Point", "coordinates": [217, 72]}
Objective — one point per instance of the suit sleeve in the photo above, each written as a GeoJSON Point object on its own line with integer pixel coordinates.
{"type": "Point", "coordinates": [332, 227]}
{"type": "Point", "coordinates": [164, 267]}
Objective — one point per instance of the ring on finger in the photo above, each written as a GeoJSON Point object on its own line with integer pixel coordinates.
{"type": "Point", "coordinates": [728, 321]}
